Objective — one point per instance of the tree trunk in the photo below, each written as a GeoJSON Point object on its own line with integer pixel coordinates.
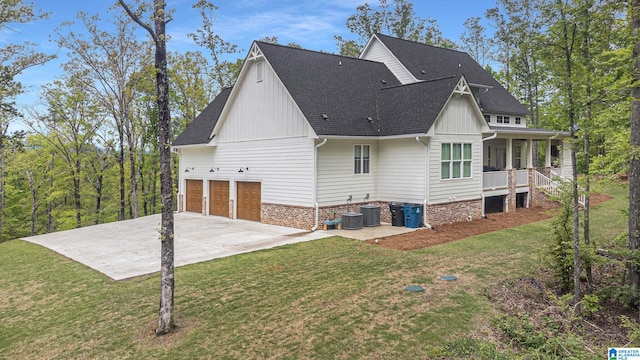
{"type": "Point", "coordinates": [50, 203]}
{"type": "Point", "coordinates": [165, 319]}
{"type": "Point", "coordinates": [134, 174]}
{"type": "Point", "coordinates": [634, 165]}
{"type": "Point", "coordinates": [121, 215]}
{"type": "Point", "coordinates": [587, 146]}
{"type": "Point", "coordinates": [568, 48]}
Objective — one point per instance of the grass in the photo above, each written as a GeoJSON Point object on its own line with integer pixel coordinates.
{"type": "Point", "coordinates": [334, 298]}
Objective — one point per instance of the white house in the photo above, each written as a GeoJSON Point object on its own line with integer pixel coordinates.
{"type": "Point", "coordinates": [305, 133]}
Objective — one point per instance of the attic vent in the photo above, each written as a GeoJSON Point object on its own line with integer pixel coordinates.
{"type": "Point", "coordinates": [325, 116]}
{"type": "Point", "coordinates": [423, 72]}
{"type": "Point", "coordinates": [382, 81]}
{"type": "Point", "coordinates": [369, 119]}
{"type": "Point", "coordinates": [459, 65]}
{"type": "Point", "coordinates": [340, 63]}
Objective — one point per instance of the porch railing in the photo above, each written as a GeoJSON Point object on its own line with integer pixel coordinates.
{"type": "Point", "coordinates": [553, 187]}
{"type": "Point", "coordinates": [494, 180]}
{"type": "Point", "coordinates": [522, 177]}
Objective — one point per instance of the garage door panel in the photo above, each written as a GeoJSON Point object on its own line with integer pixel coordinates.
{"type": "Point", "coordinates": [249, 200]}
{"type": "Point", "coordinates": [194, 196]}
{"type": "Point", "coordinates": [219, 198]}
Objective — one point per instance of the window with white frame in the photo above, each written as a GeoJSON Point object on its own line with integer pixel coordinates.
{"type": "Point", "coordinates": [487, 118]}
{"type": "Point", "coordinates": [455, 160]}
{"type": "Point", "coordinates": [499, 119]}
{"type": "Point", "coordinates": [506, 119]}
{"type": "Point", "coordinates": [518, 121]}
{"type": "Point", "coordinates": [361, 159]}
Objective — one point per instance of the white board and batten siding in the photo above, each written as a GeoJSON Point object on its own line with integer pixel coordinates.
{"type": "Point", "coordinates": [458, 123]}
{"type": "Point", "coordinates": [376, 51]}
{"type": "Point", "coordinates": [261, 109]}
{"type": "Point", "coordinates": [263, 130]}
{"type": "Point", "coordinates": [336, 178]}
{"type": "Point", "coordinates": [401, 166]}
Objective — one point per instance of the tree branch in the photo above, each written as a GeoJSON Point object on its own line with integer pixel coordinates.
{"type": "Point", "coordinates": [136, 19]}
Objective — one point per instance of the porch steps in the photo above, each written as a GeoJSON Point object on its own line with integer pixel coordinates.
{"type": "Point", "coordinates": [553, 187]}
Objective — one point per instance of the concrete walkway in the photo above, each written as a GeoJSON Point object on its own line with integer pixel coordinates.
{"type": "Point", "coordinates": [130, 248]}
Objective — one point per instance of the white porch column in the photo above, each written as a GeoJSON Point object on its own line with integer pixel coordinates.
{"type": "Point", "coordinates": [509, 153]}
{"type": "Point", "coordinates": [547, 157]}
{"type": "Point", "coordinates": [529, 153]}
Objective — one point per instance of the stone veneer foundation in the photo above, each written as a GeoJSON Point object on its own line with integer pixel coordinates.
{"type": "Point", "coordinates": [303, 217]}
{"type": "Point", "coordinates": [452, 212]}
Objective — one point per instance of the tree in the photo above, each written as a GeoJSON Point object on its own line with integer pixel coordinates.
{"type": "Point", "coordinates": [224, 72]}
{"type": "Point", "coordinates": [158, 34]}
{"type": "Point", "coordinates": [14, 59]}
{"type": "Point", "coordinates": [110, 60]}
{"type": "Point", "coordinates": [70, 124]}
{"type": "Point", "coordinates": [475, 41]}
{"type": "Point", "coordinates": [634, 163]}
{"type": "Point", "coordinates": [396, 18]}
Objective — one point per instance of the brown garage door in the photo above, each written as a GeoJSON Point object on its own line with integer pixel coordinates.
{"type": "Point", "coordinates": [249, 199]}
{"type": "Point", "coordinates": [219, 198]}
{"type": "Point", "coordinates": [194, 196]}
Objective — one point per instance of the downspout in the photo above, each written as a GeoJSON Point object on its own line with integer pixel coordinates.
{"type": "Point", "coordinates": [315, 184]}
{"type": "Point", "coordinates": [426, 183]}
{"type": "Point", "coordinates": [495, 134]}
{"type": "Point", "coordinates": [484, 215]}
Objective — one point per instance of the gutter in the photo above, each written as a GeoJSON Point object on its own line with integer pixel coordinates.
{"type": "Point", "coordinates": [315, 184]}
{"type": "Point", "coordinates": [426, 184]}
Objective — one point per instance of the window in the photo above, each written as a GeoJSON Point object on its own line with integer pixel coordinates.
{"type": "Point", "coordinates": [499, 119]}
{"type": "Point", "coordinates": [455, 161]}
{"type": "Point", "coordinates": [487, 118]}
{"type": "Point", "coordinates": [259, 71]}
{"type": "Point", "coordinates": [506, 119]}
{"type": "Point", "coordinates": [518, 121]}
{"type": "Point", "coordinates": [517, 157]}
{"type": "Point", "coordinates": [361, 159]}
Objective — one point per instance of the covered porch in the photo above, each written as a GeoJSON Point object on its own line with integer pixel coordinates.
{"type": "Point", "coordinates": [509, 172]}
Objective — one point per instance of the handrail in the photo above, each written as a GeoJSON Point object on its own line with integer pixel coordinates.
{"type": "Point", "coordinates": [552, 187]}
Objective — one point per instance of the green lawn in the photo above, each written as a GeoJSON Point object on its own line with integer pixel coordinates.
{"type": "Point", "coordinates": [327, 299]}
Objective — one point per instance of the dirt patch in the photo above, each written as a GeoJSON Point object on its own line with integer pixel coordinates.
{"type": "Point", "coordinates": [422, 238]}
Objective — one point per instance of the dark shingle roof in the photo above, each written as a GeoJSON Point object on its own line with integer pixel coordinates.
{"type": "Point", "coordinates": [438, 62]}
{"type": "Point", "coordinates": [413, 108]}
{"type": "Point", "coordinates": [341, 87]}
{"type": "Point", "coordinates": [200, 129]}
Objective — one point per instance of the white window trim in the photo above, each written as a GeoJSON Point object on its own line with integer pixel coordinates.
{"type": "Point", "coordinates": [353, 158]}
{"type": "Point", "coordinates": [462, 161]}
{"type": "Point", "coordinates": [259, 71]}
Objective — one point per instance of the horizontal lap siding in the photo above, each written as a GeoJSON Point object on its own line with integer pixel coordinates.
{"type": "Point", "coordinates": [401, 171]}
{"type": "Point", "coordinates": [283, 166]}
{"type": "Point", "coordinates": [336, 178]}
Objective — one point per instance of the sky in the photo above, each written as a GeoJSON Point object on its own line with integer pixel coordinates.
{"type": "Point", "coordinates": [309, 23]}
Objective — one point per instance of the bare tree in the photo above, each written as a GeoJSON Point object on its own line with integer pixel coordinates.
{"type": "Point", "coordinates": [158, 34]}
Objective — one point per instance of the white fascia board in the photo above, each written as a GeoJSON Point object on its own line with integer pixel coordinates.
{"type": "Point", "coordinates": [390, 137]}
{"type": "Point", "coordinates": [531, 134]}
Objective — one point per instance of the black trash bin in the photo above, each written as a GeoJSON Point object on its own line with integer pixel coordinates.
{"type": "Point", "coordinates": [397, 214]}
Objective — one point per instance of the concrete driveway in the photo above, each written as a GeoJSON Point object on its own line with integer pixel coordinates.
{"type": "Point", "coordinates": [130, 248]}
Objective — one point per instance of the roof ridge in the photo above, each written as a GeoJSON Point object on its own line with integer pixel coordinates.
{"type": "Point", "coordinates": [315, 51]}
